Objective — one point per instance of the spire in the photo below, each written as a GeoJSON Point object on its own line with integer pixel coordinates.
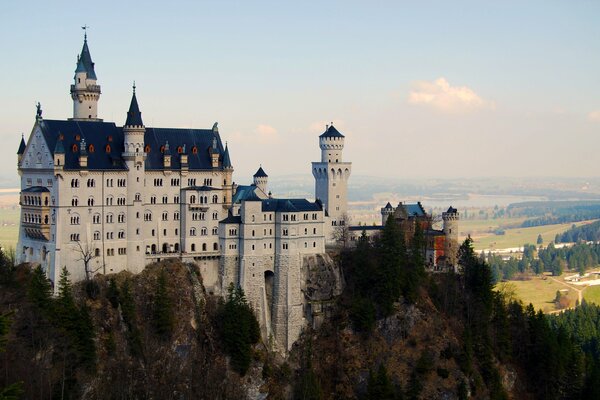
{"type": "Point", "coordinates": [226, 159]}
{"type": "Point", "coordinates": [22, 145]}
{"type": "Point", "coordinates": [331, 132]}
{"type": "Point", "coordinates": [261, 173]}
{"type": "Point", "coordinates": [85, 63]}
{"type": "Point", "coordinates": [134, 116]}
{"type": "Point", "coordinates": [167, 150]}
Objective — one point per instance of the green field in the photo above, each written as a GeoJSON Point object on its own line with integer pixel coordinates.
{"type": "Point", "coordinates": [592, 294]}
{"type": "Point", "coordinates": [541, 292]}
{"type": "Point", "coordinates": [517, 237]}
{"type": "Point", "coordinates": [9, 227]}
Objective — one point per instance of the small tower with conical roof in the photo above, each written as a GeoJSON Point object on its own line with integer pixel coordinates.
{"type": "Point", "coordinates": [134, 155]}
{"type": "Point", "coordinates": [331, 179]}
{"type": "Point", "coordinates": [85, 92]}
{"type": "Point", "coordinates": [386, 212]}
{"type": "Point", "coordinates": [261, 179]}
{"type": "Point", "coordinates": [59, 153]}
{"type": "Point", "coordinates": [21, 150]}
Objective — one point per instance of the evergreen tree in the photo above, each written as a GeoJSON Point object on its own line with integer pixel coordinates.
{"type": "Point", "coordinates": [14, 390]}
{"type": "Point", "coordinates": [239, 329]}
{"type": "Point", "coordinates": [163, 311]}
{"type": "Point", "coordinates": [39, 290]}
{"type": "Point", "coordinates": [113, 293]}
{"type": "Point", "coordinates": [134, 338]}
{"type": "Point", "coordinates": [379, 385]}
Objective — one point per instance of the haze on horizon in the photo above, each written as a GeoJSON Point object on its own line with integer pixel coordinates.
{"type": "Point", "coordinates": [420, 90]}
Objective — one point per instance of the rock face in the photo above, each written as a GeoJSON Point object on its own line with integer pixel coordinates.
{"type": "Point", "coordinates": [322, 283]}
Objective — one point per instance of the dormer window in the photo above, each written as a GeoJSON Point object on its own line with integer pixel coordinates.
{"type": "Point", "coordinates": [162, 148]}
{"type": "Point", "coordinates": [179, 150]}
{"type": "Point", "coordinates": [74, 148]}
{"type": "Point", "coordinates": [77, 138]}
{"type": "Point", "coordinates": [109, 138]}
{"type": "Point", "coordinates": [91, 148]}
{"type": "Point", "coordinates": [194, 150]}
{"type": "Point", "coordinates": [147, 148]}
{"type": "Point", "coordinates": [108, 148]}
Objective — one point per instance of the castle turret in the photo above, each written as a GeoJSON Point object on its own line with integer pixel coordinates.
{"type": "Point", "coordinates": [59, 153]}
{"type": "Point", "coordinates": [21, 150]}
{"type": "Point", "coordinates": [214, 153]}
{"type": "Point", "coordinates": [386, 212]}
{"type": "Point", "coordinates": [84, 91]}
{"type": "Point", "coordinates": [134, 155]}
{"type": "Point", "coordinates": [261, 179]}
{"type": "Point", "coordinates": [331, 178]}
{"type": "Point", "coordinates": [450, 220]}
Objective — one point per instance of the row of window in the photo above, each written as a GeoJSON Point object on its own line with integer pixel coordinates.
{"type": "Point", "coordinates": [34, 218]}
{"type": "Point", "coordinates": [29, 182]}
{"type": "Point", "coordinates": [204, 231]}
{"type": "Point", "coordinates": [111, 252]}
{"type": "Point", "coordinates": [204, 199]}
{"type": "Point", "coordinates": [34, 200]}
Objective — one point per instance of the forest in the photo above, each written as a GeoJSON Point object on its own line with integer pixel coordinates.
{"type": "Point", "coordinates": [396, 332]}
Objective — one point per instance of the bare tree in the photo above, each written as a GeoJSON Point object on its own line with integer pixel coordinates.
{"type": "Point", "coordinates": [341, 232]}
{"type": "Point", "coordinates": [87, 252]}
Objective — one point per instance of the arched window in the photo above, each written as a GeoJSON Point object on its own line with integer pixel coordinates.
{"type": "Point", "coordinates": [162, 148]}
{"type": "Point", "coordinates": [91, 148]}
{"type": "Point", "coordinates": [179, 150]}
{"type": "Point", "coordinates": [147, 148]}
{"type": "Point", "coordinates": [108, 148]}
{"type": "Point", "coordinates": [194, 150]}
{"type": "Point", "coordinates": [74, 148]}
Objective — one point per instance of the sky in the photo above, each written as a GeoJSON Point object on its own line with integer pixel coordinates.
{"type": "Point", "coordinates": [426, 89]}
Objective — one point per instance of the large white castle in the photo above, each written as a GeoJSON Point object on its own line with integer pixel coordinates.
{"type": "Point", "coordinates": [101, 198]}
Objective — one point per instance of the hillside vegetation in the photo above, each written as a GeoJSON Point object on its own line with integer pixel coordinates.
{"type": "Point", "coordinates": [395, 333]}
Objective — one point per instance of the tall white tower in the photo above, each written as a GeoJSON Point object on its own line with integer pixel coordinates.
{"type": "Point", "coordinates": [84, 91]}
{"type": "Point", "coordinates": [331, 178]}
{"type": "Point", "coordinates": [134, 156]}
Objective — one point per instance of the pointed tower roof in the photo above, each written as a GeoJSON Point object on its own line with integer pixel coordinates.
{"type": "Point", "coordinates": [331, 132]}
{"type": "Point", "coordinates": [226, 159]}
{"type": "Point", "coordinates": [21, 146]}
{"type": "Point", "coordinates": [59, 148]}
{"type": "Point", "coordinates": [134, 116]}
{"type": "Point", "coordinates": [85, 62]}
{"type": "Point", "coordinates": [261, 173]}
{"type": "Point", "coordinates": [388, 206]}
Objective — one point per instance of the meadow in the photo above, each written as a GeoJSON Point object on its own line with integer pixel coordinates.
{"type": "Point", "coordinates": [9, 227]}
{"type": "Point", "coordinates": [517, 237]}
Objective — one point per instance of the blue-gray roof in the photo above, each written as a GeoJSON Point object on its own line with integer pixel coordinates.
{"type": "Point", "coordinates": [366, 228]}
{"type": "Point", "coordinates": [226, 159]}
{"type": "Point", "coordinates": [290, 205]}
{"type": "Point", "coordinates": [245, 192]}
{"type": "Point", "coordinates": [85, 62]}
{"type": "Point", "coordinates": [231, 219]}
{"type": "Point", "coordinates": [21, 146]}
{"type": "Point", "coordinates": [36, 189]}
{"type": "Point", "coordinates": [415, 209]}
{"type": "Point", "coordinates": [261, 173]}
{"type": "Point", "coordinates": [388, 206]}
{"type": "Point", "coordinates": [452, 210]}
{"type": "Point", "coordinates": [332, 132]}
{"type": "Point", "coordinates": [107, 140]}
{"type": "Point", "coordinates": [134, 116]}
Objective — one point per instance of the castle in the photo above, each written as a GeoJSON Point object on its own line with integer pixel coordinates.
{"type": "Point", "coordinates": [101, 198]}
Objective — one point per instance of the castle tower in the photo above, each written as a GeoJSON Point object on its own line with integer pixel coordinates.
{"type": "Point", "coordinates": [260, 179]}
{"type": "Point", "coordinates": [450, 220]}
{"type": "Point", "coordinates": [331, 178]}
{"type": "Point", "coordinates": [134, 157]}
{"type": "Point", "coordinates": [386, 212]}
{"type": "Point", "coordinates": [84, 91]}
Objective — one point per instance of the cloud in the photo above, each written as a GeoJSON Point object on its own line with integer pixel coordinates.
{"type": "Point", "coordinates": [440, 95]}
{"type": "Point", "coordinates": [266, 133]}
{"type": "Point", "coordinates": [594, 116]}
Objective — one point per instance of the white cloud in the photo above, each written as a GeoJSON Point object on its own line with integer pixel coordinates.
{"type": "Point", "coordinates": [440, 95]}
{"type": "Point", "coordinates": [266, 133]}
{"type": "Point", "coordinates": [594, 116]}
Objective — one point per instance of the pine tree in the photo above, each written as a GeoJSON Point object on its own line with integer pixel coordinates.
{"type": "Point", "coordinates": [163, 310]}
{"type": "Point", "coordinates": [379, 385]}
{"type": "Point", "coordinates": [39, 290]}
{"type": "Point", "coordinates": [113, 293]}
{"type": "Point", "coordinates": [13, 391]}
